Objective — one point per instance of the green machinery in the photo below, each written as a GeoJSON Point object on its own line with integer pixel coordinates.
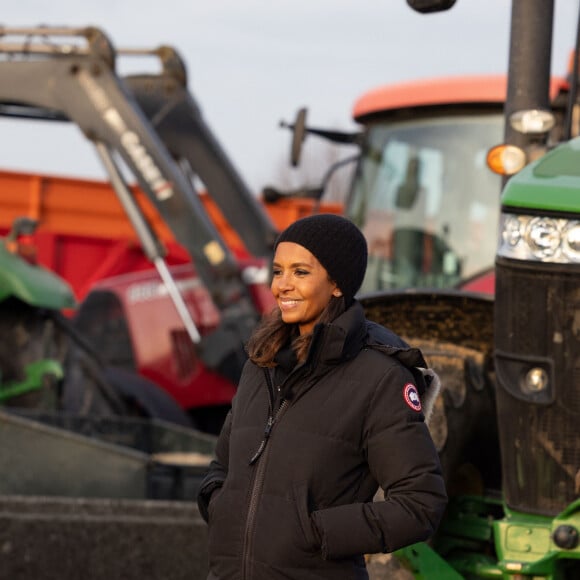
{"type": "Point", "coordinates": [528, 527]}
{"type": "Point", "coordinates": [29, 295]}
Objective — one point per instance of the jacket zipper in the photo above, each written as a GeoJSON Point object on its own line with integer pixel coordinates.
{"type": "Point", "coordinates": [258, 482]}
{"type": "Point", "coordinates": [271, 418]}
{"type": "Point", "coordinates": [257, 487]}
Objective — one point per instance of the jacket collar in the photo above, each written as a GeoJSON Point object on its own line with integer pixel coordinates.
{"type": "Point", "coordinates": [339, 340]}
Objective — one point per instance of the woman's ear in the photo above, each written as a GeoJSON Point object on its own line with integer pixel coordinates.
{"type": "Point", "coordinates": [337, 293]}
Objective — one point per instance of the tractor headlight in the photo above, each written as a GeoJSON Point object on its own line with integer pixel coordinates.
{"type": "Point", "coordinates": [542, 239]}
{"type": "Point", "coordinates": [572, 240]}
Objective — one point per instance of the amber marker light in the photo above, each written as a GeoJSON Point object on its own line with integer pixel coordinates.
{"type": "Point", "coordinates": [506, 159]}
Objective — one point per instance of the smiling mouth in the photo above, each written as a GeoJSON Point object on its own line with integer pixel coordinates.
{"type": "Point", "coordinates": [287, 303]}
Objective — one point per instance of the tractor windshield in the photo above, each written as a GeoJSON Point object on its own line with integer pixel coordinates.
{"type": "Point", "coordinates": [426, 200]}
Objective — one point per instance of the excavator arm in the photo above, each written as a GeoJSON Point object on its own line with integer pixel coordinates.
{"type": "Point", "coordinates": [66, 82]}
{"type": "Point", "coordinates": [178, 120]}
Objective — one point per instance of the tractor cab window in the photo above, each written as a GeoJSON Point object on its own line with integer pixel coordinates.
{"type": "Point", "coordinates": [426, 200]}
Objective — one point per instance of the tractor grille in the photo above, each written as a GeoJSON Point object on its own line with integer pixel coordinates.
{"type": "Point", "coordinates": [540, 456]}
{"type": "Point", "coordinates": [538, 325]}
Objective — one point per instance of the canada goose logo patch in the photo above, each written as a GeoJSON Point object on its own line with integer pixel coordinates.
{"type": "Point", "coordinates": [412, 396]}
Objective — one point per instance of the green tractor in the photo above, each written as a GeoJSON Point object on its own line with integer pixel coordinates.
{"type": "Point", "coordinates": [509, 423]}
{"type": "Point", "coordinates": [46, 364]}
{"type": "Point", "coordinates": [33, 350]}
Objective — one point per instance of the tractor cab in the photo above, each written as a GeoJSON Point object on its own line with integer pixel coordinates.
{"type": "Point", "coordinates": [423, 193]}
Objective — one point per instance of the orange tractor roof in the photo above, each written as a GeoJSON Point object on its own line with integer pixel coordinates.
{"type": "Point", "coordinates": [439, 91]}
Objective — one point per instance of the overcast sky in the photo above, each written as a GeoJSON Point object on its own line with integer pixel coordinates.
{"type": "Point", "coordinates": [252, 63]}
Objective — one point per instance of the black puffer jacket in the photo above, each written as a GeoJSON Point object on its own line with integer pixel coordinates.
{"type": "Point", "coordinates": [292, 490]}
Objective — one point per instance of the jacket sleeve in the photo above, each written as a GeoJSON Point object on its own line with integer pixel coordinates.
{"type": "Point", "coordinates": [403, 460]}
{"type": "Point", "coordinates": [218, 469]}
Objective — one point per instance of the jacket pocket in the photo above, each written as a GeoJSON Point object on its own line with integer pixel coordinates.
{"type": "Point", "coordinates": [212, 501]}
{"type": "Point", "coordinates": [303, 507]}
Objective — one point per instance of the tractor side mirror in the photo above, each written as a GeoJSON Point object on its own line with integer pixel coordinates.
{"type": "Point", "coordinates": [427, 6]}
{"type": "Point", "coordinates": [298, 135]}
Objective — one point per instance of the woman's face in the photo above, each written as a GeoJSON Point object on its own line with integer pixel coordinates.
{"type": "Point", "coordinates": [300, 286]}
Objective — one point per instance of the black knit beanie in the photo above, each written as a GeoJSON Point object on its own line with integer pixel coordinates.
{"type": "Point", "coordinates": [337, 244]}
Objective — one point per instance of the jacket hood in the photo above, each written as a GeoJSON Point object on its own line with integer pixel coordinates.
{"type": "Point", "coordinates": [351, 332]}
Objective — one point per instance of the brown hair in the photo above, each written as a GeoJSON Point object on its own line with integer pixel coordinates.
{"type": "Point", "coordinates": [273, 333]}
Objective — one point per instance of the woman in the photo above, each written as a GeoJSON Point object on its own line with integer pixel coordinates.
{"type": "Point", "coordinates": [329, 408]}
